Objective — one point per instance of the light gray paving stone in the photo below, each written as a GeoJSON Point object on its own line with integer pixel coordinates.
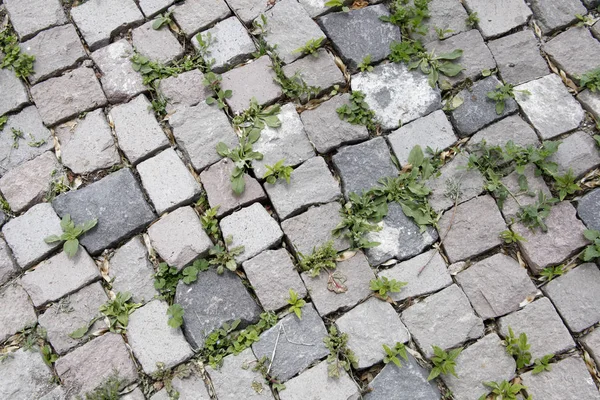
{"type": "Point", "coordinates": [229, 44]}
{"type": "Point", "coordinates": [248, 10]}
{"type": "Point", "coordinates": [192, 388]}
{"type": "Point", "coordinates": [216, 181]}
{"type": "Point", "coordinates": [569, 379]}
{"type": "Point", "coordinates": [476, 56]}
{"type": "Point", "coordinates": [87, 145]}
{"type": "Point", "coordinates": [59, 99]}
{"type": "Point", "coordinates": [100, 20]}
{"type": "Point", "coordinates": [16, 312]}
{"type": "Point", "coordinates": [549, 107]}
{"type": "Point", "coordinates": [325, 131]}
{"type": "Point", "coordinates": [574, 296]}
{"type": "Point", "coordinates": [118, 216]}
{"type": "Point", "coordinates": [546, 332]}
{"type": "Point", "coordinates": [236, 379]}
{"type": "Point", "coordinates": [27, 184]}
{"type": "Point", "coordinates": [196, 15]}
{"type": "Point", "coordinates": [434, 277]}
{"type": "Point", "coordinates": [55, 50]}
{"type": "Point", "coordinates": [316, 8]}
{"type": "Point", "coordinates": [588, 209]}
{"type": "Point", "coordinates": [446, 15]}
{"type": "Point", "coordinates": [477, 111]}
{"type": "Point", "coordinates": [358, 274]}
{"type": "Point", "coordinates": [119, 81]}
{"type": "Point", "coordinates": [511, 128]}
{"type": "Point", "coordinates": [320, 71]}
{"type": "Point", "coordinates": [135, 394]}
{"type": "Point", "coordinates": [90, 365]}
{"type": "Point", "coordinates": [499, 18]}
{"type": "Point", "coordinates": [591, 102]}
{"type": "Point", "coordinates": [58, 393]}
{"type": "Point", "coordinates": [575, 51]}
{"type": "Point", "coordinates": [456, 322]}
{"type": "Point", "coordinates": [24, 375]}
{"type": "Point", "coordinates": [71, 313]}
{"type": "Point", "coordinates": [535, 184]}
{"type": "Point", "coordinates": [496, 285]}
{"type": "Point", "coordinates": [229, 301]}
{"type": "Point", "coordinates": [131, 271]}
{"type": "Point", "coordinates": [484, 361]}
{"type": "Point", "coordinates": [15, 93]}
{"type": "Point", "coordinates": [153, 340]}
{"type": "Point", "coordinates": [591, 342]}
{"type": "Point", "coordinates": [161, 395]}
{"type": "Point", "coordinates": [433, 130]}
{"type": "Point", "coordinates": [406, 383]}
{"type": "Point", "coordinates": [310, 184]}
{"type": "Point", "coordinates": [551, 15]}
{"type": "Point", "coordinates": [58, 276]}
{"type": "Point", "coordinates": [158, 45]}
{"type": "Point", "coordinates": [272, 274]}
{"type": "Point", "coordinates": [312, 229]}
{"type": "Point", "coordinates": [362, 165]}
{"type": "Point", "coordinates": [578, 152]}
{"type": "Point", "coordinates": [304, 344]}
{"type": "Point", "coordinates": [184, 89]}
{"type": "Point", "coordinates": [198, 130]}
{"type": "Point", "coordinates": [253, 80]}
{"type": "Point", "coordinates": [152, 7]}
{"type": "Point", "coordinates": [178, 237]}
{"type": "Point", "coordinates": [167, 181]}
{"type": "Point", "coordinates": [358, 33]}
{"type": "Point", "coordinates": [31, 16]}
{"type": "Point", "coordinates": [563, 238]}
{"type": "Point", "coordinates": [396, 94]}
{"type": "Point", "coordinates": [289, 27]}
{"type": "Point", "coordinates": [253, 228]}
{"type": "Point", "coordinates": [369, 326]}
{"type": "Point", "coordinates": [25, 234]}
{"type": "Point", "coordinates": [315, 383]}
{"type": "Point", "coordinates": [8, 267]}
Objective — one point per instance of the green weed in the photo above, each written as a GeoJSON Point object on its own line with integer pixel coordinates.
{"type": "Point", "coordinates": [71, 234]}
{"type": "Point", "coordinates": [591, 80]}
{"type": "Point", "coordinates": [502, 93]}
{"type": "Point", "coordinates": [365, 64]}
{"type": "Point", "coordinates": [472, 19]}
{"type": "Point", "coordinates": [444, 362]}
{"type": "Point", "coordinates": [504, 390]}
{"type": "Point", "coordinates": [382, 286]}
{"type": "Point", "coordinates": [433, 65]}
{"type": "Point", "coordinates": [311, 47]}
{"type": "Point", "coordinates": [509, 237]}
{"type": "Point", "coordinates": [358, 111]}
{"type": "Point", "coordinates": [550, 273]}
{"type": "Point", "coordinates": [213, 81]}
{"type": "Point", "coordinates": [14, 59]}
{"type": "Point", "coordinates": [392, 353]}
{"type": "Point", "coordinates": [542, 364]}
{"type": "Point", "coordinates": [409, 18]}
{"type": "Point", "coordinates": [405, 50]}
{"type": "Point", "coordinates": [295, 303]}
{"type": "Point", "coordinates": [340, 356]}
{"type": "Point", "coordinates": [518, 348]}
{"type": "Point", "coordinates": [322, 258]}
{"type": "Point", "coordinates": [592, 251]}
{"type": "Point", "coordinates": [337, 3]}
{"type": "Point", "coordinates": [175, 313]}
{"type": "Point", "coordinates": [278, 171]}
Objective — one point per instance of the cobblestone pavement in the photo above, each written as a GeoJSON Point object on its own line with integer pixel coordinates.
{"type": "Point", "coordinates": [293, 199]}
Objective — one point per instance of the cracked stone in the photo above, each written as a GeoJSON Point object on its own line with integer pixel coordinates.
{"type": "Point", "coordinates": [31, 16]}
{"type": "Point", "coordinates": [185, 89]}
{"type": "Point", "coordinates": [578, 153]}
{"type": "Point", "coordinates": [588, 209]}
{"type": "Point", "coordinates": [535, 184]}
{"type": "Point", "coordinates": [315, 383]}
{"type": "Point", "coordinates": [552, 15]}
{"type": "Point", "coordinates": [575, 51]}
{"type": "Point", "coordinates": [16, 311]}
{"type": "Point", "coordinates": [14, 92]}
{"type": "Point", "coordinates": [497, 19]}
{"type": "Point", "coordinates": [196, 15]}
{"type": "Point", "coordinates": [158, 45]}
{"type": "Point", "coordinates": [8, 267]}
{"type": "Point", "coordinates": [511, 128]}
{"type": "Point", "coordinates": [24, 375]}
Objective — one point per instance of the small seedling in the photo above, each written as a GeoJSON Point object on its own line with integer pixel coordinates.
{"type": "Point", "coordinates": [204, 42]}
{"type": "Point", "coordinates": [175, 313]}
{"type": "Point", "coordinates": [542, 364]}
{"type": "Point", "coordinates": [48, 356]}
{"type": "Point", "coordinates": [311, 47]}
{"type": "Point", "coordinates": [71, 234]}
{"type": "Point", "coordinates": [213, 81]}
{"type": "Point", "coordinates": [511, 237]}
{"type": "Point", "coordinates": [365, 64]}
{"type": "Point", "coordinates": [35, 143]}
{"type": "Point", "coordinates": [210, 223]}
{"type": "Point", "coordinates": [433, 65]}
{"type": "Point", "coordinates": [408, 17]}
{"type": "Point", "coordinates": [391, 354]}
{"type": "Point", "coordinates": [277, 172]}
{"type": "Point", "coordinates": [340, 356]}
{"type": "Point", "coordinates": [382, 286]}
{"type": "Point", "coordinates": [405, 50]}
{"type": "Point", "coordinates": [118, 311]}
{"type": "Point", "coordinates": [550, 273]}
{"type": "Point", "coordinates": [337, 3]}
{"type": "Point", "coordinates": [162, 20]}
{"type": "Point", "coordinates": [472, 19]}
{"type": "Point", "coordinates": [504, 390]}
{"type": "Point", "coordinates": [441, 33]}
{"type": "Point", "coordinates": [108, 390]}
{"type": "Point", "coordinates": [518, 348]}
{"type": "Point", "coordinates": [358, 111]}
{"type": "Point", "coordinates": [566, 184]}
{"type": "Point", "coordinates": [444, 362]}
{"type": "Point", "coordinates": [295, 303]}
{"type": "Point", "coordinates": [534, 215]}
{"type": "Point", "coordinates": [502, 93]}
{"type": "Point", "coordinates": [591, 80]}
{"type": "Point", "coordinates": [359, 217]}
{"type": "Point", "coordinates": [242, 156]}
{"type": "Point", "coordinates": [322, 258]}
{"type": "Point", "coordinates": [585, 20]}
{"type": "Point", "coordinates": [16, 135]}
{"type": "Point", "coordinates": [592, 251]}
{"type": "Point", "coordinates": [223, 258]}
{"type": "Point", "coordinates": [293, 87]}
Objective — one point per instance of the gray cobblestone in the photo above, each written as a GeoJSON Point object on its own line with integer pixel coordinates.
{"type": "Point", "coordinates": [31, 16]}
{"type": "Point", "coordinates": [157, 45]}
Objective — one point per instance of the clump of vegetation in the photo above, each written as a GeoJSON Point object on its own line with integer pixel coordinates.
{"type": "Point", "coordinates": [502, 93]}
{"type": "Point", "coordinates": [224, 258]}
{"type": "Point", "coordinates": [340, 356]}
{"type": "Point", "coordinates": [71, 234]}
{"type": "Point", "coordinates": [322, 258]}
{"type": "Point", "coordinates": [542, 364]}
{"type": "Point", "coordinates": [534, 215]}
{"type": "Point", "coordinates": [433, 65]}
{"type": "Point", "coordinates": [210, 224]}
{"type": "Point", "coordinates": [242, 156]}
{"type": "Point", "coordinates": [365, 64]}
{"type": "Point", "coordinates": [163, 20]}
{"type": "Point", "coordinates": [3, 121]}
{"type": "Point", "coordinates": [504, 390]}
{"type": "Point", "coordinates": [408, 17]}
{"type": "Point", "coordinates": [550, 273]}
{"type": "Point", "coordinates": [253, 120]}
{"type": "Point", "coordinates": [14, 59]}
{"type": "Point", "coordinates": [591, 80]}
{"type": "Point", "coordinates": [116, 312]}
{"type": "Point", "coordinates": [359, 217]}
{"type": "Point", "coordinates": [293, 87]}
{"type": "Point", "coordinates": [108, 390]}
{"type": "Point", "coordinates": [444, 362]}
{"type": "Point", "coordinates": [592, 251]}
{"type": "Point", "coordinates": [311, 47]}
{"type": "Point", "coordinates": [175, 313]}
{"type": "Point", "coordinates": [382, 286]}
{"type": "Point", "coordinates": [472, 19]}
{"type": "Point", "coordinates": [337, 3]}
{"type": "Point", "coordinates": [509, 237]}
{"type": "Point", "coordinates": [392, 353]}
{"type": "Point", "coordinates": [566, 184]}
{"type": "Point", "coordinates": [441, 33]}
{"type": "Point", "coordinates": [296, 303]}
{"type": "Point", "coordinates": [358, 111]}
{"type": "Point", "coordinates": [213, 82]}
{"type": "Point", "coordinates": [518, 348]}
{"type": "Point", "coordinates": [278, 171]}
{"type": "Point", "coordinates": [405, 51]}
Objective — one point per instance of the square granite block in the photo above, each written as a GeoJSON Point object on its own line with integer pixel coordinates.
{"type": "Point", "coordinates": [535, 185]}
{"type": "Point", "coordinates": [196, 15]}
{"type": "Point", "coordinates": [15, 93]}
{"type": "Point", "coordinates": [186, 89]}
{"type": "Point", "coordinates": [152, 7]}
{"type": "Point", "coordinates": [16, 311]}
{"type": "Point", "coordinates": [551, 15]}
{"type": "Point", "coordinates": [591, 102]}
{"type": "Point", "coordinates": [25, 375]}
{"type": "Point", "coordinates": [511, 128]}
{"type": "Point", "coordinates": [31, 16]}
{"type": "Point", "coordinates": [317, 71]}
{"type": "Point", "coordinates": [498, 17]}
{"type": "Point", "coordinates": [248, 10]}
{"type": "Point", "coordinates": [588, 209]}
{"type": "Point", "coordinates": [159, 45]}
{"type": "Point", "coordinates": [575, 51]}
{"type": "Point", "coordinates": [316, 383]}
{"type": "Point", "coordinates": [578, 153]}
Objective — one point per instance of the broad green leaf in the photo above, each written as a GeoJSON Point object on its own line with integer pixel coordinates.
{"type": "Point", "coordinates": [450, 69]}
{"type": "Point", "coordinates": [52, 239]}
{"type": "Point", "coordinates": [89, 224]}
{"type": "Point", "coordinates": [416, 157]}
{"type": "Point", "coordinates": [591, 234]}
{"type": "Point", "coordinates": [450, 56]}
{"type": "Point", "coordinates": [70, 247]}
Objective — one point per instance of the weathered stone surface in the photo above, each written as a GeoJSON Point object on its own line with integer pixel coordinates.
{"type": "Point", "coordinates": [435, 275]}
{"type": "Point", "coordinates": [24, 375]}
{"type": "Point", "coordinates": [135, 394]}
{"type": "Point", "coordinates": [546, 333]}
{"type": "Point", "coordinates": [511, 128]}
{"type": "Point", "coordinates": [25, 234]}
{"type": "Point", "coordinates": [477, 111]}
{"type": "Point", "coordinates": [196, 15]}
{"type": "Point", "coordinates": [358, 33]}
{"type": "Point", "coordinates": [498, 18]}
{"type": "Point", "coordinates": [362, 165]}
{"type": "Point", "coordinates": [191, 387]}
{"type": "Point", "coordinates": [152, 7]}
{"type": "Point", "coordinates": [588, 209]}
{"type": "Point", "coordinates": [99, 20]}
{"type": "Point", "coordinates": [549, 107]}
{"type": "Point", "coordinates": [186, 89]}
{"type": "Point", "coordinates": [253, 228]}
{"type": "Point", "coordinates": [578, 153]}
{"type": "Point", "coordinates": [313, 228]}
{"type": "Point", "coordinates": [131, 271]}
{"type": "Point", "coordinates": [569, 379]}
{"type": "Point", "coordinates": [8, 267]}
{"type": "Point", "coordinates": [153, 340]}
{"type": "Point", "coordinates": [574, 51]}
{"type": "Point", "coordinates": [272, 274]}
{"type": "Point", "coordinates": [15, 94]}
{"type": "Point", "coordinates": [400, 237]}
{"type": "Point", "coordinates": [475, 228]}
{"type": "Point", "coordinates": [198, 130]}
{"type": "Point", "coordinates": [87, 145]}
{"type": "Point", "coordinates": [484, 361]}
{"type": "Point", "coordinates": [446, 15]}
{"type": "Point", "coordinates": [178, 237]}
{"type": "Point", "coordinates": [535, 184]}
{"type": "Point", "coordinates": [167, 181]}
{"type": "Point", "coordinates": [476, 56]}
{"type": "Point", "coordinates": [29, 182]}
{"type": "Point", "coordinates": [158, 45]}
{"type": "Point", "coordinates": [591, 342]}
{"type": "Point", "coordinates": [317, 71]}
{"type": "Point", "coordinates": [456, 321]}
{"type": "Point", "coordinates": [16, 312]}
{"type": "Point", "coordinates": [90, 365]}
{"type": "Point", "coordinates": [551, 15]}
{"type": "Point", "coordinates": [161, 394]}
{"type": "Point", "coordinates": [591, 102]}
{"type": "Point", "coordinates": [364, 339]}
{"type": "Point", "coordinates": [563, 238]}
{"type": "Point", "coordinates": [297, 348]}
{"type": "Point", "coordinates": [596, 30]}
{"type": "Point", "coordinates": [575, 296]}
{"type": "Point", "coordinates": [247, 10]}
{"type": "Point", "coordinates": [315, 383]}
{"type": "Point", "coordinates": [59, 99]}
{"type": "Point", "coordinates": [358, 274]}
{"type": "Point", "coordinates": [71, 313]}
{"type": "Point", "coordinates": [396, 94]}
{"type": "Point", "coordinates": [119, 81]}
{"type": "Point", "coordinates": [212, 301]}
{"type": "Point", "coordinates": [55, 50]}
{"type": "Point", "coordinates": [31, 16]}
{"type": "Point", "coordinates": [433, 130]}
{"type": "Point", "coordinates": [118, 216]}
{"type": "Point", "coordinates": [58, 393]}
{"type": "Point", "coordinates": [325, 130]}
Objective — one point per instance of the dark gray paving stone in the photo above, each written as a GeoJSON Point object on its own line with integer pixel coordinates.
{"type": "Point", "coordinates": [196, 15]}
{"type": "Point", "coordinates": [8, 267]}
{"type": "Point", "coordinates": [535, 184]}
{"type": "Point", "coordinates": [15, 92]}
{"type": "Point", "coordinates": [591, 342]}
{"type": "Point", "coordinates": [511, 128]}
{"type": "Point", "coordinates": [229, 299]}
{"type": "Point", "coordinates": [552, 15]}
{"type": "Point", "coordinates": [31, 16]}
{"type": "Point", "coordinates": [446, 15]}
{"type": "Point", "coordinates": [152, 7]}
{"type": "Point", "coordinates": [596, 30]}
{"type": "Point", "coordinates": [497, 19]}
{"type": "Point", "coordinates": [16, 312]}
{"type": "Point", "coordinates": [588, 209]}
{"type": "Point", "coordinates": [184, 89]}
{"type": "Point", "coordinates": [578, 152]}
{"type": "Point", "coordinates": [358, 33]}
{"type": "Point", "coordinates": [158, 45]}
{"type": "Point", "coordinates": [300, 343]}
{"type": "Point", "coordinates": [575, 51]}
{"type": "Point", "coordinates": [591, 102]}
{"type": "Point", "coordinates": [24, 375]}
{"type": "Point", "coordinates": [118, 216]}
{"type": "Point", "coordinates": [315, 383]}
